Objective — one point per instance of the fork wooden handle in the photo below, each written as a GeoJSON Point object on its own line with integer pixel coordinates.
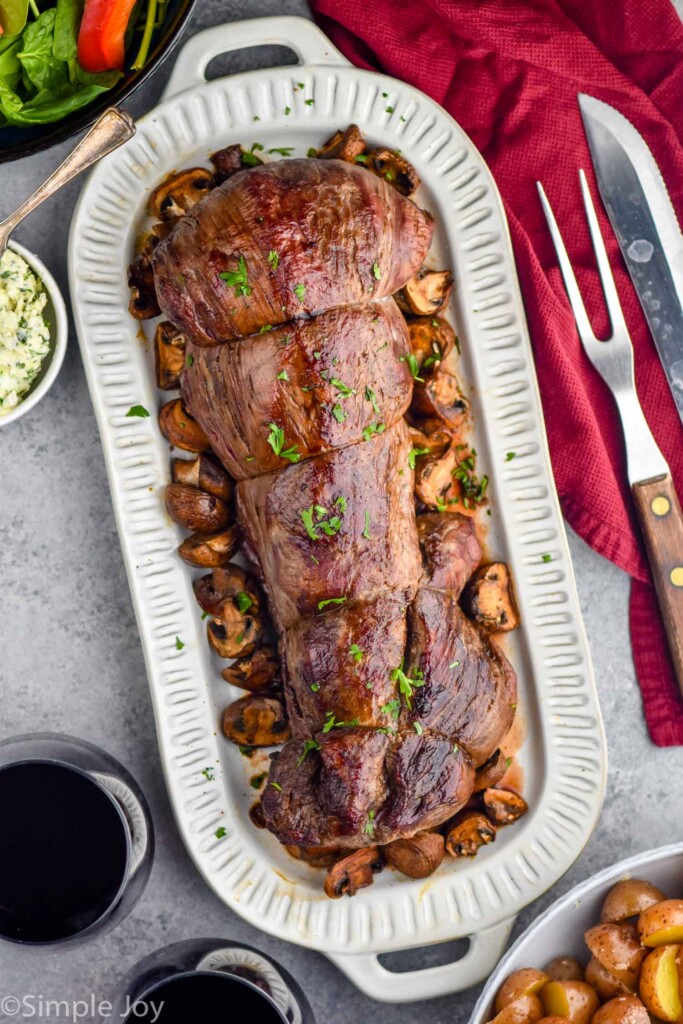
{"type": "Point", "coordinates": [661, 520]}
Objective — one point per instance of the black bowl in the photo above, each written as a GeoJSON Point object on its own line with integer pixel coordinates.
{"type": "Point", "coordinates": [17, 142]}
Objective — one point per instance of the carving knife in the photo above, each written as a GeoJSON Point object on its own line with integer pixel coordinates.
{"type": "Point", "coordinates": [646, 226]}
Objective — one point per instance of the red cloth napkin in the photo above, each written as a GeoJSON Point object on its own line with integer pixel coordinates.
{"type": "Point", "coordinates": [509, 72]}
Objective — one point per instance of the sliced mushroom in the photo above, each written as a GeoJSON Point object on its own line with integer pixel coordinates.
{"type": "Point", "coordinates": [316, 856]}
{"type": "Point", "coordinates": [211, 550]}
{"type": "Point", "coordinates": [417, 857]}
{"type": "Point", "coordinates": [434, 484]}
{"type": "Point", "coordinates": [491, 771]}
{"type": "Point", "coordinates": [354, 872]}
{"type": "Point", "coordinates": [181, 429]}
{"type": "Point", "coordinates": [504, 806]}
{"type": "Point", "coordinates": [258, 671]}
{"type": "Point", "coordinates": [195, 509]}
{"type": "Point", "coordinates": [256, 722]}
{"type": "Point", "coordinates": [224, 585]}
{"type": "Point", "coordinates": [236, 634]}
{"type": "Point", "coordinates": [343, 145]}
{"type": "Point", "coordinates": [432, 339]}
{"type": "Point", "coordinates": [432, 435]}
{"type": "Point", "coordinates": [143, 303]}
{"type": "Point", "coordinates": [256, 815]}
{"type": "Point", "coordinates": [468, 832]}
{"type": "Point", "coordinates": [425, 293]}
{"type": "Point", "coordinates": [488, 598]}
{"type": "Point", "coordinates": [230, 160]}
{"type": "Point", "coordinates": [204, 472]}
{"type": "Point", "coordinates": [169, 355]}
{"type": "Point", "coordinates": [395, 169]}
{"type": "Point", "coordinates": [179, 192]}
{"type": "Point", "coordinates": [439, 395]}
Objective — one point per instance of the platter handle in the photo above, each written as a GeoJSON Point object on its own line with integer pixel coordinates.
{"type": "Point", "coordinates": [301, 35]}
{"type": "Point", "coordinates": [368, 974]}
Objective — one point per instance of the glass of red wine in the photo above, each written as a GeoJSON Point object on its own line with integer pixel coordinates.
{"type": "Point", "coordinates": [77, 840]}
{"type": "Point", "coordinates": [209, 979]}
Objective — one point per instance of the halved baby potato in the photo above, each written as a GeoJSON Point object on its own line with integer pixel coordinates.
{"type": "Point", "coordinates": [604, 983]}
{"type": "Point", "coordinates": [659, 983]}
{"type": "Point", "coordinates": [629, 898]}
{"type": "Point", "coordinates": [622, 1010]}
{"type": "Point", "coordinates": [661, 924]}
{"type": "Point", "coordinates": [617, 948]}
{"type": "Point", "coordinates": [525, 1010]}
{"type": "Point", "coordinates": [520, 983]}
{"type": "Point", "coordinates": [575, 1001]}
{"type": "Point", "coordinates": [565, 968]}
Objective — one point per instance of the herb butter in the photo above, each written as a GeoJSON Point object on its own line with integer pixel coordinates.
{"type": "Point", "coordinates": [24, 332]}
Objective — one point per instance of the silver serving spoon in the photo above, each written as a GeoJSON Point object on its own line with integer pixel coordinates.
{"type": "Point", "coordinates": [110, 131]}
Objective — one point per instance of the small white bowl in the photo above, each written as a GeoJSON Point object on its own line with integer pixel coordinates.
{"type": "Point", "coordinates": [55, 314]}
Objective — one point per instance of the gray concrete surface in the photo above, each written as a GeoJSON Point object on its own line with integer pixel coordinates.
{"type": "Point", "coordinates": [70, 660]}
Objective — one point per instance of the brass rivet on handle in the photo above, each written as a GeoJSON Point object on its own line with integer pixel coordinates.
{"type": "Point", "coordinates": [660, 505]}
{"type": "Point", "coordinates": [676, 576]}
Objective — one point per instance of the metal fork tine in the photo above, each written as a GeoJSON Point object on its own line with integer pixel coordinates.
{"type": "Point", "coordinates": [570, 282]}
{"type": "Point", "coordinates": [609, 288]}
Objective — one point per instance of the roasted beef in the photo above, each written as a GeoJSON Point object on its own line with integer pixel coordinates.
{"type": "Point", "coordinates": [393, 696]}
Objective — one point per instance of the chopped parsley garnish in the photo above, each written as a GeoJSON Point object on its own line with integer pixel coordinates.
{"type": "Point", "coordinates": [247, 751]}
{"type": "Point", "coordinates": [338, 413]}
{"type": "Point", "coordinates": [414, 453]}
{"type": "Point", "coordinates": [190, 360]}
{"type": "Point", "coordinates": [288, 111]}
{"type": "Point", "coordinates": [265, 328]}
{"type": "Point", "coordinates": [376, 272]}
{"type": "Point", "coordinates": [179, 644]}
{"type": "Point", "coordinates": [273, 259]}
{"type": "Point", "coordinates": [309, 103]}
{"type": "Point", "coordinates": [243, 601]}
{"type": "Point", "coordinates": [371, 397]}
{"type": "Point", "coordinates": [315, 687]}
{"type": "Point", "coordinates": [406, 684]}
{"type": "Point", "coordinates": [413, 366]}
{"type": "Point", "coordinates": [340, 502]}
{"type": "Point", "coordinates": [220, 833]}
{"type": "Point", "coordinates": [317, 518]}
{"type": "Point", "coordinates": [547, 558]}
{"type": "Point", "coordinates": [356, 653]}
{"type": "Point", "coordinates": [300, 291]}
{"type": "Point", "coordinates": [509, 456]}
{"type": "Point", "coordinates": [373, 428]}
{"type": "Point", "coordinates": [369, 827]}
{"type": "Point", "coordinates": [276, 440]}
{"type": "Point", "coordinates": [250, 159]}
{"type": "Point", "coordinates": [309, 745]}
{"type": "Point", "coordinates": [237, 279]}
{"type": "Point", "coordinates": [256, 781]}
{"type": "Point", "coordinates": [332, 723]}
{"type": "Point", "coordinates": [393, 708]}
{"type": "Point", "coordinates": [418, 728]}
{"type": "Point", "coordinates": [473, 489]}
{"type": "Point", "coordinates": [389, 110]}
{"type": "Point", "coordinates": [454, 664]}
{"type": "Point", "coordinates": [208, 774]}
{"type": "Point", "coordinates": [366, 530]}
{"type": "Point", "coordinates": [277, 786]}
{"type": "Point", "coordinates": [282, 150]}
{"type": "Point", "coordinates": [312, 152]}
{"type": "Point", "coordinates": [138, 410]}
{"type": "Point", "coordinates": [331, 600]}
{"type": "Point", "coordinates": [282, 375]}
{"type": "Point", "coordinates": [362, 158]}
{"type": "Point", "coordinates": [341, 387]}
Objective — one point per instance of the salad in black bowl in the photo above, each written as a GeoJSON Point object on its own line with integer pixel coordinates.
{"type": "Point", "coordinates": [63, 61]}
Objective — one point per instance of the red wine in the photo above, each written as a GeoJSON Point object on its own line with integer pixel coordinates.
{"type": "Point", "coordinates": [64, 851]}
{"type": "Point", "coordinates": [203, 996]}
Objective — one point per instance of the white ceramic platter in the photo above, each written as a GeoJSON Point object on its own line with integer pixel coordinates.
{"type": "Point", "coordinates": [564, 753]}
{"type": "Point", "coordinates": [559, 932]}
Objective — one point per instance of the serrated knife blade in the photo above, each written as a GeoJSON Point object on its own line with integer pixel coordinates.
{"type": "Point", "coordinates": [645, 224]}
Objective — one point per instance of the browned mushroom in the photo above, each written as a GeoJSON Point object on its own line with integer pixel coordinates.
{"type": "Point", "coordinates": [236, 634]}
{"type": "Point", "coordinates": [343, 145]}
{"type": "Point", "coordinates": [204, 472]}
{"type": "Point", "coordinates": [395, 169]}
{"type": "Point", "coordinates": [504, 806]}
{"type": "Point", "coordinates": [432, 339]}
{"type": "Point", "coordinates": [468, 832]}
{"type": "Point", "coordinates": [179, 192]}
{"type": "Point", "coordinates": [431, 437]}
{"type": "Point", "coordinates": [489, 599]}
{"type": "Point", "coordinates": [258, 671]}
{"type": "Point", "coordinates": [143, 303]}
{"type": "Point", "coordinates": [195, 509]}
{"type": "Point", "coordinates": [491, 772]}
{"type": "Point", "coordinates": [439, 395]}
{"type": "Point", "coordinates": [426, 293]}
{"type": "Point", "coordinates": [316, 856]}
{"type": "Point", "coordinates": [169, 355]}
{"type": "Point", "coordinates": [230, 160]}
{"type": "Point", "coordinates": [256, 722]}
{"type": "Point", "coordinates": [434, 484]}
{"type": "Point", "coordinates": [181, 429]}
{"type": "Point", "coordinates": [417, 857]}
{"type": "Point", "coordinates": [211, 550]}
{"type": "Point", "coordinates": [225, 584]}
{"type": "Point", "coordinates": [353, 872]}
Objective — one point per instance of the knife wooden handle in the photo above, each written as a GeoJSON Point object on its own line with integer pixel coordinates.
{"type": "Point", "coordinates": [661, 520]}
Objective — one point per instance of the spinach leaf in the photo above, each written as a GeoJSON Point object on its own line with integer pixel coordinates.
{"type": "Point", "coordinates": [42, 68]}
{"type": "Point", "coordinates": [48, 106]}
{"type": "Point", "coordinates": [13, 14]}
{"type": "Point", "coordinates": [67, 20]}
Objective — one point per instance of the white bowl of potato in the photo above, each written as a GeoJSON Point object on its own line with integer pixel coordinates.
{"type": "Point", "coordinates": [608, 952]}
